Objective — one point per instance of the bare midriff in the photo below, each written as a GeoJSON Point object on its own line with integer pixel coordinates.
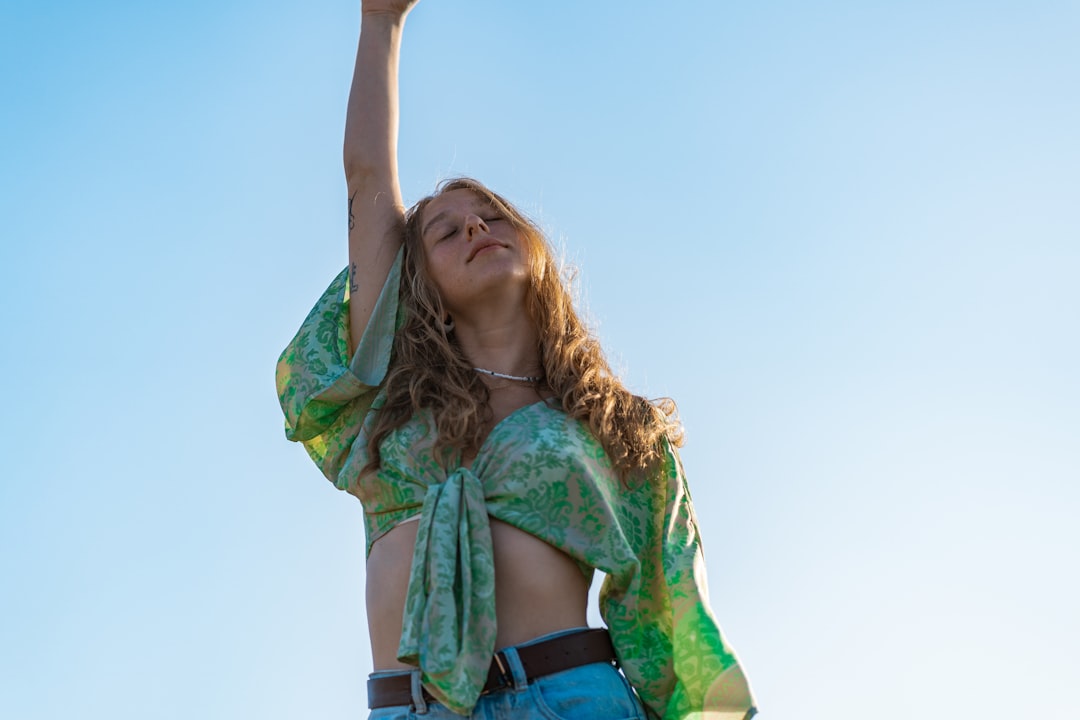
{"type": "Point", "coordinates": [538, 589]}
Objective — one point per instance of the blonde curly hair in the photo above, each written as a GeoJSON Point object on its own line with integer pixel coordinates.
{"type": "Point", "coordinates": [429, 370]}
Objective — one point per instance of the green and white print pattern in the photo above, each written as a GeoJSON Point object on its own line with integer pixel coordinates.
{"type": "Point", "coordinates": [539, 471]}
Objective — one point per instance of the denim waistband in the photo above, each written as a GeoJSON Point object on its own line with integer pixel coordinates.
{"type": "Point", "coordinates": [510, 664]}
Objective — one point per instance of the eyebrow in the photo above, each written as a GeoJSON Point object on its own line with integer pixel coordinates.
{"type": "Point", "coordinates": [433, 221]}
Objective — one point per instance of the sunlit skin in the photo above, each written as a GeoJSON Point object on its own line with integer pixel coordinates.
{"type": "Point", "coordinates": [479, 266]}
{"type": "Point", "coordinates": [538, 589]}
{"type": "Point", "coordinates": [475, 256]}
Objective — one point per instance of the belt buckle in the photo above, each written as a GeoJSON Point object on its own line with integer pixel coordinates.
{"type": "Point", "coordinates": [505, 678]}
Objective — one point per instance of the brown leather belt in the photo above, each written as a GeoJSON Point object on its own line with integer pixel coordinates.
{"type": "Point", "coordinates": [538, 660]}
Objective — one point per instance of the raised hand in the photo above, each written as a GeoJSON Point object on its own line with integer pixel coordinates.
{"type": "Point", "coordinates": [396, 8]}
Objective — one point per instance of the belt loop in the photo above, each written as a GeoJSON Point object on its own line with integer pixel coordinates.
{"type": "Point", "coordinates": [418, 701]}
{"type": "Point", "coordinates": [515, 671]}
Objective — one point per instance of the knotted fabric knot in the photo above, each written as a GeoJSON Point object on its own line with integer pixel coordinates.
{"type": "Point", "coordinates": [448, 628]}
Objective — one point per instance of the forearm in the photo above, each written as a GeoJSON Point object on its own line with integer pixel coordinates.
{"type": "Point", "coordinates": [371, 122]}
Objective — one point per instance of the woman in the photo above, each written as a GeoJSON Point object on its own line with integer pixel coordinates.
{"type": "Point", "coordinates": [445, 380]}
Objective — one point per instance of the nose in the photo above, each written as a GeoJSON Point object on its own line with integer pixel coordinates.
{"type": "Point", "coordinates": [474, 226]}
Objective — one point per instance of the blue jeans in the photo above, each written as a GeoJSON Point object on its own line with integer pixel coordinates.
{"type": "Point", "coordinates": [588, 692]}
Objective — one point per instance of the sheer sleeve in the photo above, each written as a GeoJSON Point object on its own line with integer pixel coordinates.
{"type": "Point", "coordinates": [669, 644]}
{"type": "Point", "coordinates": [326, 395]}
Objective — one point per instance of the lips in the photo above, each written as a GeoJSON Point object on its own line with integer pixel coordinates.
{"type": "Point", "coordinates": [483, 245]}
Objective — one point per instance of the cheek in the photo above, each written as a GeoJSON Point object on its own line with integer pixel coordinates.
{"type": "Point", "coordinates": [438, 269]}
{"type": "Point", "coordinates": [533, 258]}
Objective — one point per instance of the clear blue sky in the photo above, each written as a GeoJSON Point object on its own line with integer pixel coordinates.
{"type": "Point", "coordinates": [845, 237]}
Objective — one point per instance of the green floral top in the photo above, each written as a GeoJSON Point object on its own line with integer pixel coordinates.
{"type": "Point", "coordinates": [539, 471]}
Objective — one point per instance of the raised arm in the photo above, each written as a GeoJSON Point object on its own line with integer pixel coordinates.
{"type": "Point", "coordinates": [376, 212]}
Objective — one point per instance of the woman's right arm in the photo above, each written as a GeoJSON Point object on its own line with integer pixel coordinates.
{"type": "Point", "coordinates": [376, 211]}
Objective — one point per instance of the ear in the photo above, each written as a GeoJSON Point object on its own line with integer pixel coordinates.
{"type": "Point", "coordinates": [448, 325]}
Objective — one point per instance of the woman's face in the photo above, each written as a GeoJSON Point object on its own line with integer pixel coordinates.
{"type": "Point", "coordinates": [474, 253]}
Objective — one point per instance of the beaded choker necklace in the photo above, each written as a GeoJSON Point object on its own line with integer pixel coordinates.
{"type": "Point", "coordinates": [519, 378]}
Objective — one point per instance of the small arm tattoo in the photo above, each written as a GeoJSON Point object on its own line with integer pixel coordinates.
{"type": "Point", "coordinates": [353, 285]}
{"type": "Point", "coordinates": [352, 218]}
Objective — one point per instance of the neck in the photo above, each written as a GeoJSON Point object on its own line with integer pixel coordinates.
{"type": "Point", "coordinates": [508, 345]}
